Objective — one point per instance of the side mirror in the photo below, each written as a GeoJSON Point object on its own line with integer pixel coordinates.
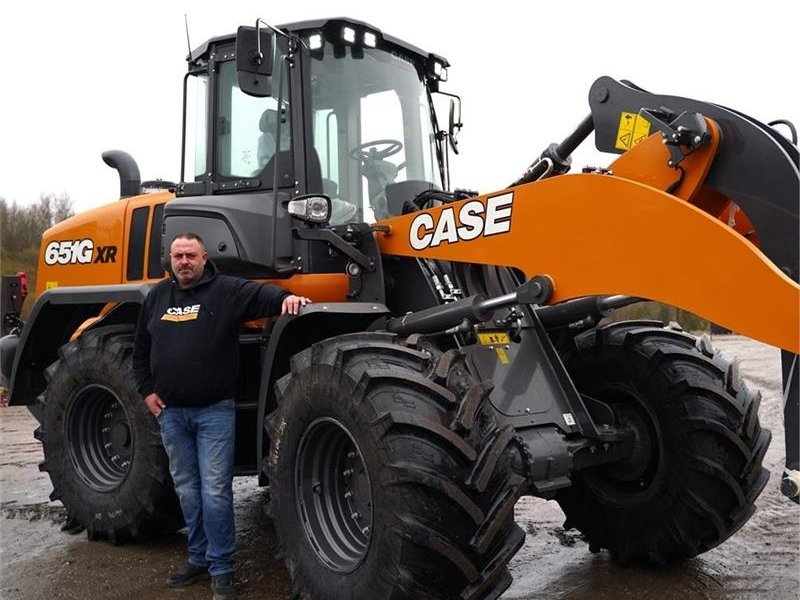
{"type": "Point", "coordinates": [454, 122]}
{"type": "Point", "coordinates": [254, 60]}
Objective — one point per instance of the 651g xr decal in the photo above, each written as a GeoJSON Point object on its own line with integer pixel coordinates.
{"type": "Point", "coordinates": [81, 252]}
{"type": "Point", "coordinates": [476, 218]}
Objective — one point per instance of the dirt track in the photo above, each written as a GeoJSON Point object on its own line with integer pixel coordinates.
{"type": "Point", "coordinates": [37, 560]}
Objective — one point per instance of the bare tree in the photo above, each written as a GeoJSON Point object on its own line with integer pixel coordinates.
{"type": "Point", "coordinates": [63, 208]}
{"type": "Point", "coordinates": [21, 229]}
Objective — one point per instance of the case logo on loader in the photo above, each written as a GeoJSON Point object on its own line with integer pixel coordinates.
{"type": "Point", "coordinates": [71, 252]}
{"type": "Point", "coordinates": [476, 218]}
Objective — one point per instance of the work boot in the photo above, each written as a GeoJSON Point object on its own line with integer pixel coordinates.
{"type": "Point", "coordinates": [222, 586]}
{"type": "Point", "coordinates": [187, 575]}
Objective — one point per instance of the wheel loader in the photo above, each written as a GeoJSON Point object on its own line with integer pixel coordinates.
{"type": "Point", "coordinates": [457, 354]}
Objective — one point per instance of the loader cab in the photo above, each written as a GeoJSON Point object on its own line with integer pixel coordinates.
{"type": "Point", "coordinates": [338, 109]}
{"type": "Point", "coordinates": [370, 120]}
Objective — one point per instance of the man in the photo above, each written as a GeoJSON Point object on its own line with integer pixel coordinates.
{"type": "Point", "coordinates": [185, 363]}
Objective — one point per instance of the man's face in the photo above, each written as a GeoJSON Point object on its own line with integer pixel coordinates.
{"type": "Point", "coordinates": [188, 261]}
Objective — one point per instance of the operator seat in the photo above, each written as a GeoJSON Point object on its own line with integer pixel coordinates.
{"type": "Point", "coordinates": [268, 125]}
{"type": "Point", "coordinates": [342, 211]}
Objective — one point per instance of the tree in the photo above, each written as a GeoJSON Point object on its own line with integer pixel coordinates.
{"type": "Point", "coordinates": [21, 229]}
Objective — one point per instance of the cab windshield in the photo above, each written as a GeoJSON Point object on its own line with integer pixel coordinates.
{"type": "Point", "coordinates": [372, 133]}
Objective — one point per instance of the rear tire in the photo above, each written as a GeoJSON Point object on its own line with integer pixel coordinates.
{"type": "Point", "coordinates": [389, 475]}
{"type": "Point", "coordinates": [102, 447]}
{"type": "Point", "coordinates": [696, 471]}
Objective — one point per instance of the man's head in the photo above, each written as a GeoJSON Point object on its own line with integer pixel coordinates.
{"type": "Point", "coordinates": [188, 256]}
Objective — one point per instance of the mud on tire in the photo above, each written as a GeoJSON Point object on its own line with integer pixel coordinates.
{"type": "Point", "coordinates": [102, 448]}
{"type": "Point", "coordinates": [697, 468]}
{"type": "Point", "coordinates": [389, 475]}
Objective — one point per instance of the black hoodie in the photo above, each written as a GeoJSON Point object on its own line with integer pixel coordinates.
{"type": "Point", "coordinates": [187, 340]}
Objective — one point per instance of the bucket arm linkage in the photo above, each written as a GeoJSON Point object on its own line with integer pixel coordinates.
{"type": "Point", "coordinates": [753, 185]}
{"type": "Point", "coordinates": [647, 228]}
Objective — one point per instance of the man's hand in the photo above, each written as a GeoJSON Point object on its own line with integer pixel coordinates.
{"type": "Point", "coordinates": [154, 404]}
{"type": "Point", "coordinates": [291, 304]}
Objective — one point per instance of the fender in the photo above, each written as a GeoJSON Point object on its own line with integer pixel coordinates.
{"type": "Point", "coordinates": [57, 314]}
{"type": "Point", "coordinates": [289, 335]}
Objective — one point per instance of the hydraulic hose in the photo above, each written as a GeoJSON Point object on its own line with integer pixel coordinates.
{"type": "Point", "coordinates": [555, 159]}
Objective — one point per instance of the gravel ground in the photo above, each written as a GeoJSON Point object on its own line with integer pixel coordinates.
{"type": "Point", "coordinates": [38, 560]}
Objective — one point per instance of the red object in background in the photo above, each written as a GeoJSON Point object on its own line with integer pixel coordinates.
{"type": "Point", "coordinates": [23, 283]}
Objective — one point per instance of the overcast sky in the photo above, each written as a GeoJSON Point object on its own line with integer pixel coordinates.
{"type": "Point", "coordinates": [81, 78]}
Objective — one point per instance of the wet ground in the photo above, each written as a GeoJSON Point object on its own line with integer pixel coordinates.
{"type": "Point", "coordinates": [39, 561]}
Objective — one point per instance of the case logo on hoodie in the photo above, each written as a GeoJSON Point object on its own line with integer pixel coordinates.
{"type": "Point", "coordinates": [177, 314]}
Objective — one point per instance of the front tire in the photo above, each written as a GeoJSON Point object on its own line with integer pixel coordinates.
{"type": "Point", "coordinates": [695, 473]}
{"type": "Point", "coordinates": [389, 475]}
{"type": "Point", "coordinates": [102, 447]}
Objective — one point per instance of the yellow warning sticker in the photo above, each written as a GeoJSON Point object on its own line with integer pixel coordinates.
{"type": "Point", "coordinates": [633, 129]}
{"type": "Point", "coordinates": [50, 285]}
{"type": "Point", "coordinates": [501, 354]}
{"type": "Point", "coordinates": [493, 338]}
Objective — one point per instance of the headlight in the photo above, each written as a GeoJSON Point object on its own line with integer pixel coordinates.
{"type": "Point", "coordinates": [315, 41]}
{"type": "Point", "coordinates": [314, 208]}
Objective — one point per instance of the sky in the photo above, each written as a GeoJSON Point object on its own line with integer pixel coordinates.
{"type": "Point", "coordinates": [81, 78]}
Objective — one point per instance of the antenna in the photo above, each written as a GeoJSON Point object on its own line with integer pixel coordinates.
{"type": "Point", "coordinates": [188, 43]}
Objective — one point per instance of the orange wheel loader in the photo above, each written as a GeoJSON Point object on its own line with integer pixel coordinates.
{"type": "Point", "coordinates": [457, 354]}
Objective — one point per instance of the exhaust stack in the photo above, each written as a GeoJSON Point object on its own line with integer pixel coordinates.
{"type": "Point", "coordinates": [129, 179]}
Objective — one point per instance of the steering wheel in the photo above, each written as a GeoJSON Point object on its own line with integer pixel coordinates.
{"type": "Point", "coordinates": [376, 150]}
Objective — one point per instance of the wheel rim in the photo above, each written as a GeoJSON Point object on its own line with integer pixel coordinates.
{"type": "Point", "coordinates": [334, 495]}
{"type": "Point", "coordinates": [99, 437]}
{"type": "Point", "coordinates": [629, 482]}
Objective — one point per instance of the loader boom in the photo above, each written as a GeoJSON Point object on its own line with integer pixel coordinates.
{"type": "Point", "coordinates": [628, 240]}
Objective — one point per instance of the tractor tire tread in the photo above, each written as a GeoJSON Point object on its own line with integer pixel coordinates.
{"type": "Point", "coordinates": [433, 424]}
{"type": "Point", "coordinates": [717, 443]}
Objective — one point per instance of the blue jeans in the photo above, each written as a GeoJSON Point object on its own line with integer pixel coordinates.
{"type": "Point", "coordinates": [200, 447]}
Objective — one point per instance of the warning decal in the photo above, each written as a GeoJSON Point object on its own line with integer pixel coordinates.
{"type": "Point", "coordinates": [633, 129]}
{"type": "Point", "coordinates": [493, 338]}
